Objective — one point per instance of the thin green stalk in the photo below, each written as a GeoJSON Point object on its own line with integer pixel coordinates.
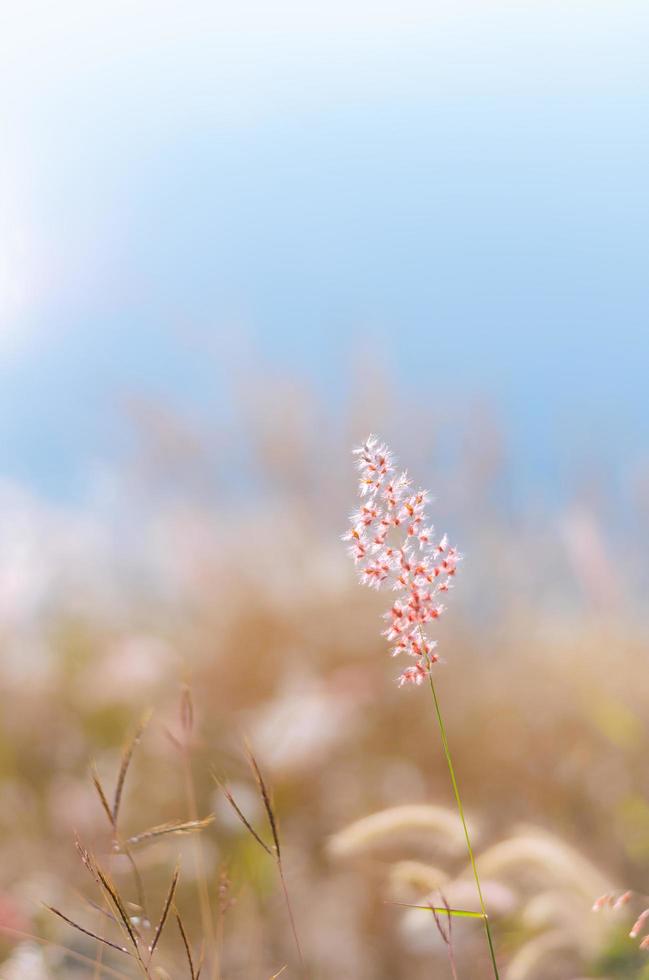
{"type": "Point", "coordinates": [458, 800]}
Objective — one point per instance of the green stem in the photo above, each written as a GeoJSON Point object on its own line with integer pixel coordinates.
{"type": "Point", "coordinates": [458, 800]}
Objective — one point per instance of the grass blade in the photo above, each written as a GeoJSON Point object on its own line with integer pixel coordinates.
{"type": "Point", "coordinates": [165, 911]}
{"type": "Point", "coordinates": [229, 797]}
{"type": "Point", "coordinates": [127, 755]}
{"type": "Point", "coordinates": [87, 932]}
{"type": "Point", "coordinates": [123, 915]}
{"type": "Point", "coordinates": [186, 945]}
{"type": "Point", "coordinates": [201, 960]}
{"type": "Point", "coordinates": [457, 913]}
{"type": "Point", "coordinates": [102, 796]}
{"type": "Point", "coordinates": [265, 795]}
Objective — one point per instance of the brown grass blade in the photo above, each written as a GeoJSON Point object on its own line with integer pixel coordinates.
{"type": "Point", "coordinates": [201, 959]}
{"type": "Point", "coordinates": [86, 858]}
{"type": "Point", "coordinates": [114, 896]}
{"type": "Point", "coordinates": [165, 911]}
{"type": "Point", "coordinates": [109, 888]}
{"type": "Point", "coordinates": [127, 755]}
{"type": "Point", "coordinates": [186, 945]}
{"type": "Point", "coordinates": [102, 796]}
{"type": "Point", "coordinates": [87, 932]}
{"type": "Point", "coordinates": [265, 795]}
{"type": "Point", "coordinates": [137, 878]}
{"type": "Point", "coordinates": [251, 830]}
{"type": "Point", "coordinates": [173, 827]}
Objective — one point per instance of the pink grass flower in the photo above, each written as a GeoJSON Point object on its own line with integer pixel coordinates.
{"type": "Point", "coordinates": [602, 901]}
{"type": "Point", "coordinates": [638, 926]}
{"type": "Point", "coordinates": [392, 542]}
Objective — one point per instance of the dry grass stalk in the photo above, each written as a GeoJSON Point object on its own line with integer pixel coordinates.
{"type": "Point", "coordinates": [265, 795]}
{"type": "Point", "coordinates": [112, 812]}
{"type": "Point", "coordinates": [396, 824]}
{"type": "Point", "coordinates": [275, 850]}
{"type": "Point", "coordinates": [187, 726]}
{"type": "Point", "coordinates": [127, 755]}
{"type": "Point", "coordinates": [87, 932]}
{"type": "Point", "coordinates": [179, 827]}
{"type": "Point", "coordinates": [188, 952]}
{"type": "Point", "coordinates": [165, 912]}
{"type": "Point", "coordinates": [242, 817]}
{"type": "Point", "coordinates": [117, 907]}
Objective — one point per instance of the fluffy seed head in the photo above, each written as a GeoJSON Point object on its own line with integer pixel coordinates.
{"type": "Point", "coordinates": [394, 545]}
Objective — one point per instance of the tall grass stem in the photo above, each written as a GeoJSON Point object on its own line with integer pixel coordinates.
{"type": "Point", "coordinates": [458, 800]}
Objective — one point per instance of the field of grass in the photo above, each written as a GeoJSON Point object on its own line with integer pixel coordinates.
{"type": "Point", "coordinates": [232, 614]}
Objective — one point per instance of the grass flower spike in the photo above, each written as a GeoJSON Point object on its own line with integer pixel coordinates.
{"type": "Point", "coordinates": [394, 546]}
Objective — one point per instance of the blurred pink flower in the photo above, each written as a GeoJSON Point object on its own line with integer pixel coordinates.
{"type": "Point", "coordinates": [609, 900]}
{"type": "Point", "coordinates": [392, 543]}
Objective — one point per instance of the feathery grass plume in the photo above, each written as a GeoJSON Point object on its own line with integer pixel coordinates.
{"type": "Point", "coordinates": [392, 544]}
{"type": "Point", "coordinates": [543, 859]}
{"type": "Point", "coordinates": [396, 826]}
{"type": "Point", "coordinates": [543, 887]}
{"type": "Point", "coordinates": [528, 961]}
{"type": "Point", "coordinates": [273, 850]}
{"type": "Point", "coordinates": [407, 878]}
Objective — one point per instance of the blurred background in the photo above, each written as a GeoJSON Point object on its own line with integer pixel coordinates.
{"type": "Point", "coordinates": [234, 239]}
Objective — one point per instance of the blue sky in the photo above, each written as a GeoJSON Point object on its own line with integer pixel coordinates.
{"type": "Point", "coordinates": [459, 187]}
